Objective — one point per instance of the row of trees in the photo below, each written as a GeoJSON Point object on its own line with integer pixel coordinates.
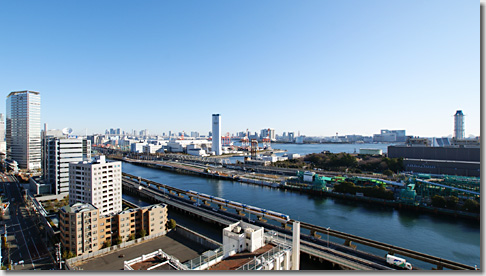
{"type": "Point", "coordinates": [344, 161]}
{"type": "Point", "coordinates": [452, 202]}
{"type": "Point", "coordinates": [375, 191]}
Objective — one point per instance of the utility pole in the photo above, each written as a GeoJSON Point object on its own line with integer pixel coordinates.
{"type": "Point", "coordinates": [58, 255]}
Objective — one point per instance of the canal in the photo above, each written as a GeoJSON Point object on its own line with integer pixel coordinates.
{"type": "Point", "coordinates": [446, 237]}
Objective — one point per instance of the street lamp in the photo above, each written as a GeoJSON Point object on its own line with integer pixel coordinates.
{"type": "Point", "coordinates": [328, 236]}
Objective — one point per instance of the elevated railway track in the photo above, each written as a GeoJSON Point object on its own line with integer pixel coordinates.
{"type": "Point", "coordinates": [314, 229]}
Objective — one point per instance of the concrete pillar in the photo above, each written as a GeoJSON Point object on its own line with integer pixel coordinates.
{"type": "Point", "coordinates": [296, 245]}
{"type": "Point", "coordinates": [260, 218]}
{"type": "Point", "coordinates": [348, 242]}
{"type": "Point", "coordinates": [206, 202]}
{"type": "Point", "coordinates": [314, 234]}
{"type": "Point", "coordinates": [241, 213]}
{"type": "Point", "coordinates": [221, 207]}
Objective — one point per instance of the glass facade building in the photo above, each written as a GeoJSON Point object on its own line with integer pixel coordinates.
{"type": "Point", "coordinates": [23, 129]}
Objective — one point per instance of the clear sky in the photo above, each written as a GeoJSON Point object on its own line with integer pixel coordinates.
{"type": "Point", "coordinates": [321, 67]}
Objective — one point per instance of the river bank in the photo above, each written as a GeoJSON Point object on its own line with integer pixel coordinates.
{"type": "Point", "coordinates": [447, 237]}
{"type": "Point", "coordinates": [301, 189]}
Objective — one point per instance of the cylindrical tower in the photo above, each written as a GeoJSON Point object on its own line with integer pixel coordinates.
{"type": "Point", "coordinates": [217, 134]}
{"type": "Point", "coordinates": [459, 125]}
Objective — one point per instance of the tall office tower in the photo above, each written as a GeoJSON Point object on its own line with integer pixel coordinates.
{"type": "Point", "coordinates": [2, 128]}
{"type": "Point", "coordinates": [23, 130]}
{"type": "Point", "coordinates": [459, 125]}
{"type": "Point", "coordinates": [3, 144]}
{"type": "Point", "coordinates": [98, 183]}
{"type": "Point", "coordinates": [217, 134]}
{"type": "Point", "coordinates": [58, 153]}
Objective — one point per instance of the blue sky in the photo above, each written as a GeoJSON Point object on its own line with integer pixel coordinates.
{"type": "Point", "coordinates": [318, 67]}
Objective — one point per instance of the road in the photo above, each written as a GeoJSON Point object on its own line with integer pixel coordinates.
{"type": "Point", "coordinates": [27, 249]}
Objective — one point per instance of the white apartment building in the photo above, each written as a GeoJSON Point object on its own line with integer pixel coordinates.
{"type": "Point", "coordinates": [58, 153]}
{"type": "Point", "coordinates": [98, 183]}
{"type": "Point", "coordinates": [23, 129]}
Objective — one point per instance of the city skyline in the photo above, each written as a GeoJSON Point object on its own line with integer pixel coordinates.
{"type": "Point", "coordinates": [317, 67]}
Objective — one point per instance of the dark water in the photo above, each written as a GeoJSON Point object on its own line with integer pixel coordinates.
{"type": "Point", "coordinates": [445, 237]}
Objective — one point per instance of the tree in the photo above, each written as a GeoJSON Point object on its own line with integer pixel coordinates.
{"type": "Point", "coordinates": [106, 244]}
{"type": "Point", "coordinates": [171, 224]}
{"type": "Point", "coordinates": [67, 254]}
{"type": "Point", "coordinates": [118, 240]}
{"type": "Point", "coordinates": [142, 233]}
{"type": "Point", "coordinates": [388, 172]}
{"type": "Point", "coordinates": [131, 237]}
{"type": "Point", "coordinates": [451, 202]}
{"type": "Point", "coordinates": [438, 201]}
{"type": "Point", "coordinates": [471, 206]}
{"type": "Point", "coordinates": [345, 187]}
{"type": "Point", "coordinates": [70, 255]}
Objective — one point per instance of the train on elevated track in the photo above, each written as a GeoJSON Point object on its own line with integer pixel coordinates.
{"type": "Point", "coordinates": [259, 212]}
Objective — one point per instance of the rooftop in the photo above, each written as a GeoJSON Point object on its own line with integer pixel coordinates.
{"type": "Point", "coordinates": [78, 208]}
{"type": "Point", "coordinates": [239, 259]}
{"type": "Point", "coordinates": [154, 263]}
{"type": "Point", "coordinates": [22, 92]}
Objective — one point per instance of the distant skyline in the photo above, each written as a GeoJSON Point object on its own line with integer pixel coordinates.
{"type": "Point", "coordinates": [318, 67]}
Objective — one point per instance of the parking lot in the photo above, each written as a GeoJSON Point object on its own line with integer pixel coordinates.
{"type": "Point", "coordinates": [172, 244]}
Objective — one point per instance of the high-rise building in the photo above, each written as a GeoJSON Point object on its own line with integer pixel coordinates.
{"type": "Point", "coordinates": [58, 152]}
{"type": "Point", "coordinates": [291, 137]}
{"type": "Point", "coordinates": [268, 132]}
{"type": "Point", "coordinates": [23, 130]}
{"type": "Point", "coordinates": [3, 144]}
{"type": "Point", "coordinates": [216, 134]}
{"type": "Point", "coordinates": [98, 183]}
{"type": "Point", "coordinates": [459, 125]}
{"type": "Point", "coordinates": [2, 128]}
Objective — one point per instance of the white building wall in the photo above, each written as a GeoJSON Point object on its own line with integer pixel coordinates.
{"type": "Point", "coordinates": [151, 148]}
{"type": "Point", "coordinates": [249, 238]}
{"type": "Point", "coordinates": [98, 183]}
{"type": "Point", "coordinates": [137, 147]}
